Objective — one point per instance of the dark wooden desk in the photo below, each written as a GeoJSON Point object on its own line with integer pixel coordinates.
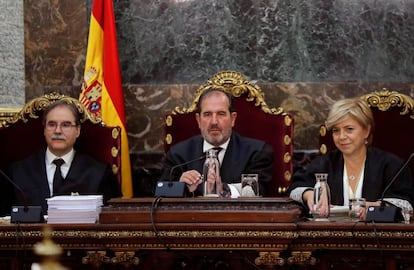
{"type": "Point", "coordinates": [200, 234]}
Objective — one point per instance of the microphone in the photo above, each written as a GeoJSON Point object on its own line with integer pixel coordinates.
{"type": "Point", "coordinates": [25, 213]}
{"type": "Point", "coordinates": [185, 163]}
{"type": "Point", "coordinates": [174, 189]}
{"type": "Point", "coordinates": [383, 213]}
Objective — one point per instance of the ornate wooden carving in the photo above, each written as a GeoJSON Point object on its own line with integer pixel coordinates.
{"type": "Point", "coordinates": [269, 259]}
{"type": "Point", "coordinates": [236, 84]}
{"type": "Point", "coordinates": [96, 258]}
{"type": "Point", "coordinates": [31, 109]}
{"type": "Point", "coordinates": [301, 258]}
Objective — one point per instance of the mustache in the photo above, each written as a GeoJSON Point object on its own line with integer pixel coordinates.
{"type": "Point", "coordinates": [58, 137]}
{"type": "Point", "coordinates": [214, 127]}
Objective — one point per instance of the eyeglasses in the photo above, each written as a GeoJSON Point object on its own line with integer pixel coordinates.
{"type": "Point", "coordinates": [64, 126]}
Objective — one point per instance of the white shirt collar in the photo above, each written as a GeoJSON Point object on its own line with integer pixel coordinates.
{"type": "Point", "coordinates": [207, 146]}
{"type": "Point", "coordinates": [67, 157]}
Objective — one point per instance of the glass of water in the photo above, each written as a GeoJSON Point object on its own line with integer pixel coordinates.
{"type": "Point", "coordinates": [249, 185]}
{"type": "Point", "coordinates": [355, 205]}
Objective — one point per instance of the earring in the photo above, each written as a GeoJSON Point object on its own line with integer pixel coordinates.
{"type": "Point", "coordinates": [366, 141]}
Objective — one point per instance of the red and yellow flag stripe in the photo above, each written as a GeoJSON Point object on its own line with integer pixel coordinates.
{"type": "Point", "coordinates": [102, 87]}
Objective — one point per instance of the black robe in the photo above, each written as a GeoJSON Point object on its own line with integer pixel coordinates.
{"type": "Point", "coordinates": [243, 155]}
{"type": "Point", "coordinates": [380, 168]}
{"type": "Point", "coordinates": [86, 176]}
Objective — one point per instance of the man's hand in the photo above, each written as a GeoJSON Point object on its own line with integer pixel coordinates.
{"type": "Point", "coordinates": [192, 179]}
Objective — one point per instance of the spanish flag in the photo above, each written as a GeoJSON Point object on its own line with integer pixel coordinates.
{"type": "Point", "coordinates": [102, 86]}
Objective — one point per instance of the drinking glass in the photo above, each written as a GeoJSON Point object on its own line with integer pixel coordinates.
{"type": "Point", "coordinates": [355, 205]}
{"type": "Point", "coordinates": [249, 185]}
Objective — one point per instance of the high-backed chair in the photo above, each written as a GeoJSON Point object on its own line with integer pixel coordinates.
{"type": "Point", "coordinates": [254, 119]}
{"type": "Point", "coordinates": [22, 133]}
{"type": "Point", "coordinates": [394, 124]}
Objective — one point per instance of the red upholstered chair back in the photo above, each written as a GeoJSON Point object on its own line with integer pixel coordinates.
{"type": "Point", "coordinates": [254, 119]}
{"type": "Point", "coordinates": [394, 124]}
{"type": "Point", "coordinates": [22, 134]}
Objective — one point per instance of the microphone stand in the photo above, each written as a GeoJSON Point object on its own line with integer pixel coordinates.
{"type": "Point", "coordinates": [385, 213]}
{"type": "Point", "coordinates": [26, 213]}
{"type": "Point", "coordinates": [173, 189]}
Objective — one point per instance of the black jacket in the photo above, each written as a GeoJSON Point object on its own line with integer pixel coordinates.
{"type": "Point", "coordinates": [380, 167]}
{"type": "Point", "coordinates": [85, 176]}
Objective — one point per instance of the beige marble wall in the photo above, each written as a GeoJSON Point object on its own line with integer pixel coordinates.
{"type": "Point", "coordinates": [308, 102]}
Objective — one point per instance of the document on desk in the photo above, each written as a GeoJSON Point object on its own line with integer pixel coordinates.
{"type": "Point", "coordinates": [79, 209]}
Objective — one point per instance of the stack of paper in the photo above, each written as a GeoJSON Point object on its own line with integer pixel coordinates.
{"type": "Point", "coordinates": [74, 209]}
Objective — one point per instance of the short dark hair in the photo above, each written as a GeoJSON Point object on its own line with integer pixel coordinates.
{"type": "Point", "coordinates": [209, 92]}
{"type": "Point", "coordinates": [61, 103]}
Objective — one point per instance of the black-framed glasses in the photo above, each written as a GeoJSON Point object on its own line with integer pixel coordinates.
{"type": "Point", "coordinates": [64, 126]}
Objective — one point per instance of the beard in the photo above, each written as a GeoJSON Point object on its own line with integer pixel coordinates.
{"type": "Point", "coordinates": [216, 137]}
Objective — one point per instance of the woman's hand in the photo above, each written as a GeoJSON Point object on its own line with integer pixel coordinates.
{"type": "Point", "coordinates": [308, 199]}
{"type": "Point", "coordinates": [363, 210]}
{"type": "Point", "coordinates": [323, 207]}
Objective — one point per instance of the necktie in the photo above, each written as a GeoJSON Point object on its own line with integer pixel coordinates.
{"type": "Point", "coordinates": [218, 149]}
{"type": "Point", "coordinates": [57, 177]}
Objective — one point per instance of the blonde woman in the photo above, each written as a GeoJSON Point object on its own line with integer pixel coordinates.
{"type": "Point", "coordinates": [355, 169]}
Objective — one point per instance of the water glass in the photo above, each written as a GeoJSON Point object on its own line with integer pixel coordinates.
{"type": "Point", "coordinates": [249, 185]}
{"type": "Point", "coordinates": [355, 205]}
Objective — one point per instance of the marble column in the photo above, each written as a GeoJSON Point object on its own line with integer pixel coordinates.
{"type": "Point", "coordinates": [12, 80]}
